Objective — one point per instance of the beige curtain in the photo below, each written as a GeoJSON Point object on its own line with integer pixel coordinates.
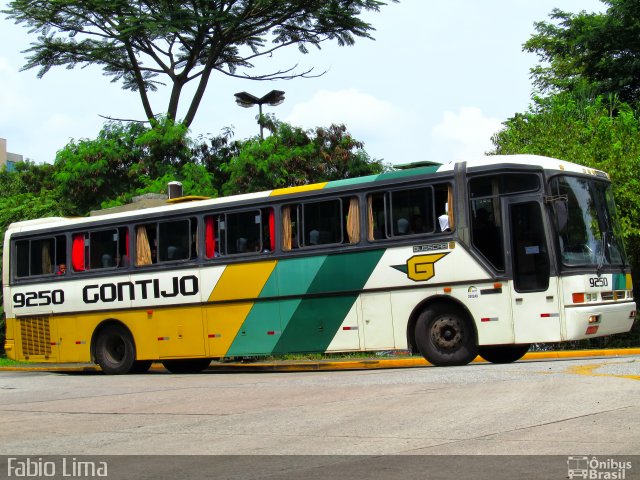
{"type": "Point", "coordinates": [450, 206]}
{"type": "Point", "coordinates": [47, 266]}
{"type": "Point", "coordinates": [353, 221]}
{"type": "Point", "coordinates": [286, 228]}
{"type": "Point", "coordinates": [370, 217]}
{"type": "Point", "coordinates": [143, 250]}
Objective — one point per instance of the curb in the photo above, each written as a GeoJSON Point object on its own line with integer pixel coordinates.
{"type": "Point", "coordinates": [326, 365]}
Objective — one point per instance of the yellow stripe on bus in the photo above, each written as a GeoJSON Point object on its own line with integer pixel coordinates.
{"type": "Point", "coordinates": [242, 281]}
{"type": "Point", "coordinates": [301, 188]}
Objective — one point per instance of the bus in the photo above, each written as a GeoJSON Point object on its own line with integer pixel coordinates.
{"type": "Point", "coordinates": [478, 257]}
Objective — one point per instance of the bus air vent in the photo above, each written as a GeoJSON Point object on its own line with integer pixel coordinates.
{"type": "Point", "coordinates": [36, 339]}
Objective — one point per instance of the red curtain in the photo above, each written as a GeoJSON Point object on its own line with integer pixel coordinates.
{"type": "Point", "coordinates": [209, 237]}
{"type": "Point", "coordinates": [77, 252]}
{"type": "Point", "coordinates": [126, 240]}
{"type": "Point", "coordinates": [272, 230]}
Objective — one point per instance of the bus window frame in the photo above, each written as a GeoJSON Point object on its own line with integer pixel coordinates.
{"type": "Point", "coordinates": [189, 219]}
{"type": "Point", "coordinates": [224, 226]}
{"type": "Point", "coordinates": [14, 257]}
{"type": "Point", "coordinates": [388, 212]}
{"type": "Point", "coordinates": [301, 221]}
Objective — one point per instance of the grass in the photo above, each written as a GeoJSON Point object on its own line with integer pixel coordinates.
{"type": "Point", "coordinates": [7, 362]}
{"type": "Point", "coordinates": [329, 356]}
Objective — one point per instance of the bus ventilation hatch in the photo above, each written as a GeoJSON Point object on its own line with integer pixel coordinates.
{"type": "Point", "coordinates": [36, 339]}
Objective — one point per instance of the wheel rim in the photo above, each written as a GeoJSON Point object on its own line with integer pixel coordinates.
{"type": "Point", "coordinates": [447, 333]}
{"type": "Point", "coordinates": [115, 349]}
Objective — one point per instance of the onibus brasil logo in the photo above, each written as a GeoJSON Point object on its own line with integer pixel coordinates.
{"type": "Point", "coordinates": [597, 469]}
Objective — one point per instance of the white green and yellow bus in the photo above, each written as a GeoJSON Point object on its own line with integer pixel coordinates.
{"type": "Point", "coordinates": [483, 256]}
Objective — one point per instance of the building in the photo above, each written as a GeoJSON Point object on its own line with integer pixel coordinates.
{"type": "Point", "coordinates": [7, 158]}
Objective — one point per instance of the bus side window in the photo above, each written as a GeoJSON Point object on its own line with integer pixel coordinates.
{"type": "Point", "coordinates": [412, 211]}
{"type": "Point", "coordinates": [40, 257]}
{"type": "Point", "coordinates": [103, 249]}
{"type": "Point", "coordinates": [243, 232]}
{"type": "Point", "coordinates": [174, 240]}
{"type": "Point", "coordinates": [322, 222]}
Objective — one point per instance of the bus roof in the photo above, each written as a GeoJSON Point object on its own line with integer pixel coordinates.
{"type": "Point", "coordinates": [421, 168]}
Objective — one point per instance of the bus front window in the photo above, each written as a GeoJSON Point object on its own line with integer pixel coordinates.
{"type": "Point", "coordinates": [588, 228]}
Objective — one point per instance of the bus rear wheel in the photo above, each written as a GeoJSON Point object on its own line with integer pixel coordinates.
{"type": "Point", "coordinates": [188, 365]}
{"type": "Point", "coordinates": [503, 353]}
{"type": "Point", "coordinates": [115, 350]}
{"type": "Point", "coordinates": [445, 336]}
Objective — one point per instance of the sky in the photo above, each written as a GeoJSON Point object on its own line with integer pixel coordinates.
{"type": "Point", "coordinates": [435, 84]}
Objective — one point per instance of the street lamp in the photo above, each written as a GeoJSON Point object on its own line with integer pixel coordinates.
{"type": "Point", "coordinates": [246, 100]}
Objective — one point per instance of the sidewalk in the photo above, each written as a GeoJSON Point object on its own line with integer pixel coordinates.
{"type": "Point", "coordinates": [322, 365]}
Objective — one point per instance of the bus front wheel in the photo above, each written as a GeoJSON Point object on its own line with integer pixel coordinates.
{"type": "Point", "coordinates": [503, 353]}
{"type": "Point", "coordinates": [115, 350]}
{"type": "Point", "coordinates": [187, 365]}
{"type": "Point", "coordinates": [445, 336]}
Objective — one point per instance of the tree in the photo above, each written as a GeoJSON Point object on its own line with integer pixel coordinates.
{"type": "Point", "coordinates": [292, 156]}
{"type": "Point", "coordinates": [596, 52]}
{"type": "Point", "coordinates": [140, 43]}
{"type": "Point", "coordinates": [127, 160]}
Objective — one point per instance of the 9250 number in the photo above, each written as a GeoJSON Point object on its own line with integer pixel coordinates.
{"type": "Point", "coordinates": [38, 299]}
{"type": "Point", "coordinates": [598, 282]}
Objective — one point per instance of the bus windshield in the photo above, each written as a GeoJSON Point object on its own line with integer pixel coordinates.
{"type": "Point", "coordinates": [588, 226]}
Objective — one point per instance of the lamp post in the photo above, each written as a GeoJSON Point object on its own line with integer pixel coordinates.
{"type": "Point", "coordinates": [246, 100]}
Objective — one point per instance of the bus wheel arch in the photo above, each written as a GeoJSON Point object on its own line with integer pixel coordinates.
{"type": "Point", "coordinates": [113, 347]}
{"type": "Point", "coordinates": [442, 330]}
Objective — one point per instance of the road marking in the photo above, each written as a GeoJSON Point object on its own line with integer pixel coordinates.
{"type": "Point", "coordinates": [588, 370]}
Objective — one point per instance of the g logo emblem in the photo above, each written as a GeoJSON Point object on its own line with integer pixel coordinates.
{"type": "Point", "coordinates": [420, 268]}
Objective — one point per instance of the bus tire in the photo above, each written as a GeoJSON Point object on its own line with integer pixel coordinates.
{"type": "Point", "coordinates": [141, 366]}
{"type": "Point", "coordinates": [188, 365]}
{"type": "Point", "coordinates": [115, 350]}
{"type": "Point", "coordinates": [503, 353]}
{"type": "Point", "coordinates": [445, 336]}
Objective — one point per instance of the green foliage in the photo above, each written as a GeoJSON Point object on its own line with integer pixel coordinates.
{"type": "Point", "coordinates": [292, 156]}
{"type": "Point", "coordinates": [599, 52]}
{"type": "Point", "coordinates": [127, 160]}
{"type": "Point", "coordinates": [142, 44]}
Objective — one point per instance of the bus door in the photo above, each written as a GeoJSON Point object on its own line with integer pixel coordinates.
{"type": "Point", "coordinates": [534, 291]}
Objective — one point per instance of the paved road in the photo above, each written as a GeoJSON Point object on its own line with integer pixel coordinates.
{"type": "Point", "coordinates": [560, 407]}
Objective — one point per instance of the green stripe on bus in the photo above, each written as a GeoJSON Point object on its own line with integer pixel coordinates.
{"type": "Point", "coordinates": [260, 331]}
{"type": "Point", "coordinates": [314, 323]}
{"type": "Point", "coordinates": [407, 173]}
{"type": "Point", "coordinates": [263, 327]}
{"type": "Point", "coordinates": [619, 281]}
{"type": "Point", "coordinates": [352, 181]}
{"type": "Point", "coordinates": [345, 272]}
